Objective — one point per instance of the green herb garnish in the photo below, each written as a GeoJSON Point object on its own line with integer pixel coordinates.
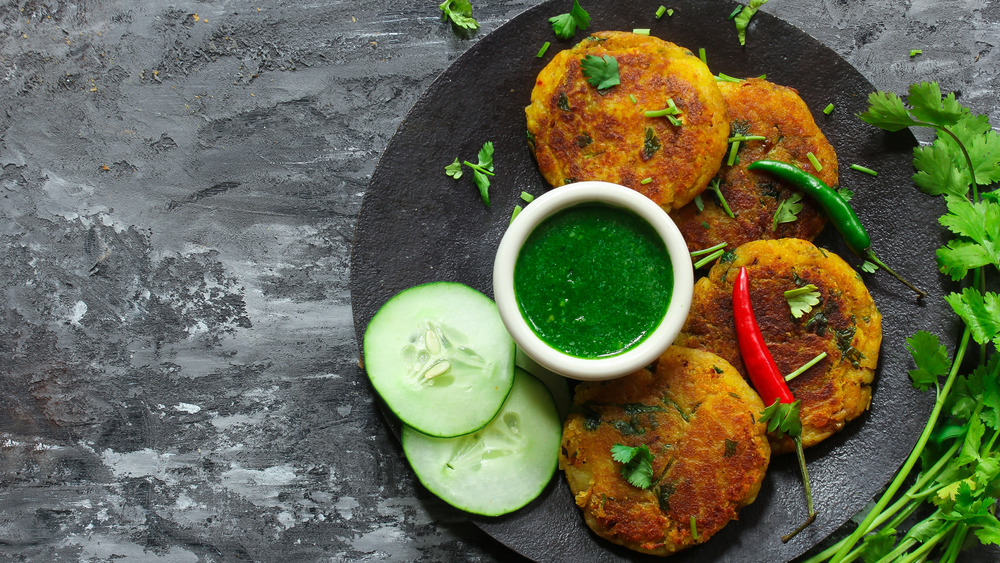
{"type": "Point", "coordinates": [637, 462]}
{"type": "Point", "coordinates": [814, 161]}
{"type": "Point", "coordinates": [481, 171]}
{"type": "Point", "coordinates": [743, 18]}
{"type": "Point", "coordinates": [460, 14]}
{"type": "Point", "coordinates": [565, 25]}
{"type": "Point", "coordinates": [864, 169]}
{"type": "Point", "coordinates": [788, 210]}
{"type": "Point", "coordinates": [801, 300]}
{"type": "Point", "coordinates": [601, 72]}
{"type": "Point", "coordinates": [651, 144]}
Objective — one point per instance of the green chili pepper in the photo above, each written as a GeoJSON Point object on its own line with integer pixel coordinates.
{"type": "Point", "coordinates": [836, 208]}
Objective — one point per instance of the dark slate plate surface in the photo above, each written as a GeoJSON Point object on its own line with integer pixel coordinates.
{"type": "Point", "coordinates": [417, 225]}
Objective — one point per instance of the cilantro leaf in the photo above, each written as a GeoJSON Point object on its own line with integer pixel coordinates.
{"type": "Point", "coordinates": [878, 545]}
{"type": "Point", "coordinates": [460, 14]}
{"type": "Point", "coordinates": [601, 72]}
{"type": "Point", "coordinates": [783, 418]}
{"type": "Point", "coordinates": [637, 462]}
{"type": "Point", "coordinates": [930, 357]}
{"type": "Point", "coordinates": [937, 171]}
{"type": "Point", "coordinates": [887, 111]}
{"type": "Point", "coordinates": [869, 267]}
{"type": "Point", "coordinates": [565, 25]}
{"type": "Point", "coordinates": [483, 183]}
{"type": "Point", "coordinates": [622, 453]}
{"type": "Point", "coordinates": [989, 533]}
{"type": "Point", "coordinates": [980, 312]}
{"type": "Point", "coordinates": [486, 156]}
{"type": "Point", "coordinates": [928, 105]}
{"type": "Point", "coordinates": [787, 210]}
{"type": "Point", "coordinates": [454, 169]}
{"type": "Point", "coordinates": [973, 441]}
{"type": "Point", "coordinates": [743, 19]}
{"type": "Point", "coordinates": [979, 226]}
{"type": "Point", "coordinates": [801, 300]}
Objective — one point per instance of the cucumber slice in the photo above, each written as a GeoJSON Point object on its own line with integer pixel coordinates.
{"type": "Point", "coordinates": [439, 356]}
{"type": "Point", "coordinates": [501, 467]}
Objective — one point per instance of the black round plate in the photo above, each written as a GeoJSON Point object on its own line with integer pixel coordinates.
{"type": "Point", "coordinates": [417, 225]}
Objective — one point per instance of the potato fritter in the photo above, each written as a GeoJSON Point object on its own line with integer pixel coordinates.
{"type": "Point", "coordinates": [698, 418]}
{"type": "Point", "coordinates": [760, 108]}
{"type": "Point", "coordinates": [845, 324]}
{"type": "Point", "coordinates": [581, 133]}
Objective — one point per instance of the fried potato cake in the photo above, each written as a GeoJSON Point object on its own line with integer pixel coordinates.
{"type": "Point", "coordinates": [697, 416]}
{"type": "Point", "coordinates": [581, 133]}
{"type": "Point", "coordinates": [760, 108]}
{"type": "Point", "coordinates": [845, 324]}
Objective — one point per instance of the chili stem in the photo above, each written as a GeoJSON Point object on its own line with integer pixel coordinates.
{"type": "Point", "coordinates": [808, 490]}
{"type": "Point", "coordinates": [871, 256]}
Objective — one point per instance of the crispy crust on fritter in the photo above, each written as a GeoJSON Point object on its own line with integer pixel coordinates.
{"type": "Point", "coordinates": [758, 107]}
{"type": "Point", "coordinates": [846, 325]}
{"type": "Point", "coordinates": [698, 417]}
{"type": "Point", "coordinates": [579, 133]}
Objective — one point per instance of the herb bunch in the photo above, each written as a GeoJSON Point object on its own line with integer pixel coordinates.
{"type": "Point", "coordinates": [954, 494]}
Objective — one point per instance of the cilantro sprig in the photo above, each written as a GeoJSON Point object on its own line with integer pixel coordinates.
{"type": "Point", "coordinates": [958, 451]}
{"type": "Point", "coordinates": [459, 12]}
{"type": "Point", "coordinates": [637, 464]}
{"type": "Point", "coordinates": [481, 171]}
{"type": "Point", "coordinates": [565, 25]}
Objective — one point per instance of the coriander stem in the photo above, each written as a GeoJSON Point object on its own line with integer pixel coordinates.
{"type": "Point", "coordinates": [478, 167]}
{"type": "Point", "coordinates": [801, 369]}
{"type": "Point", "coordinates": [955, 544]}
{"type": "Point", "coordinates": [900, 550]}
{"type": "Point", "coordinates": [914, 456]}
{"type": "Point", "coordinates": [715, 187]}
{"type": "Point", "coordinates": [713, 256]}
{"type": "Point", "coordinates": [928, 544]}
{"type": "Point", "coordinates": [709, 250]}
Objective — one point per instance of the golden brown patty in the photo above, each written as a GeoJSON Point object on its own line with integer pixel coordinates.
{"type": "Point", "coordinates": [697, 416]}
{"type": "Point", "coordinates": [845, 324]}
{"type": "Point", "coordinates": [580, 133]}
{"type": "Point", "coordinates": [758, 107]}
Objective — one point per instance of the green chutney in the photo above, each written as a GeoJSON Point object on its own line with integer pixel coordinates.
{"type": "Point", "coordinates": [593, 280]}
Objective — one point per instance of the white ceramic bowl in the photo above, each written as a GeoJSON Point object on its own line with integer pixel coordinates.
{"type": "Point", "coordinates": [607, 367]}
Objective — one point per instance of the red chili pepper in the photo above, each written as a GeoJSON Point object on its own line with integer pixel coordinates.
{"type": "Point", "coordinates": [770, 384]}
{"type": "Point", "coordinates": [761, 368]}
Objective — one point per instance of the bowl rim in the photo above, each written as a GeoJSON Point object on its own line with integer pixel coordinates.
{"type": "Point", "coordinates": [558, 199]}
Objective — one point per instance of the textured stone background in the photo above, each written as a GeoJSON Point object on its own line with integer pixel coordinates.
{"type": "Point", "coordinates": [180, 182]}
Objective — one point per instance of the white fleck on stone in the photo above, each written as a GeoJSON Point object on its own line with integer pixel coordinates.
{"type": "Point", "coordinates": [79, 310]}
{"type": "Point", "coordinates": [187, 407]}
